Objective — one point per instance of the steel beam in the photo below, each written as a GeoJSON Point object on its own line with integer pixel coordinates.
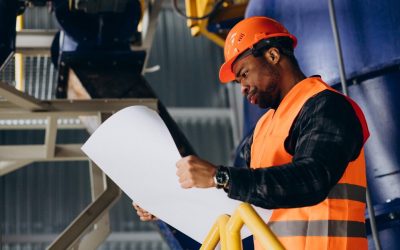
{"type": "Point", "coordinates": [149, 26]}
{"type": "Point", "coordinates": [10, 166]}
{"type": "Point", "coordinates": [100, 105]}
{"type": "Point", "coordinates": [34, 41]}
{"type": "Point", "coordinates": [101, 229]}
{"type": "Point", "coordinates": [50, 137]}
{"type": "Point", "coordinates": [15, 156]}
{"type": "Point", "coordinates": [70, 107]}
{"type": "Point", "coordinates": [120, 237]}
{"type": "Point", "coordinates": [83, 222]}
{"type": "Point", "coordinates": [20, 99]}
{"type": "Point", "coordinates": [15, 102]}
{"type": "Point", "coordinates": [62, 152]}
{"type": "Point", "coordinates": [152, 9]}
{"type": "Point", "coordinates": [93, 240]}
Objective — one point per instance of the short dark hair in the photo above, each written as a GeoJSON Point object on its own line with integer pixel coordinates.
{"type": "Point", "coordinates": [283, 44]}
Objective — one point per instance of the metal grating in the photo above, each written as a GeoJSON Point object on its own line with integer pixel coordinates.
{"type": "Point", "coordinates": [39, 18]}
{"type": "Point", "coordinates": [39, 76]}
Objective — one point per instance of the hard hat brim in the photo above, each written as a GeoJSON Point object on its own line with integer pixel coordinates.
{"type": "Point", "coordinates": [225, 72]}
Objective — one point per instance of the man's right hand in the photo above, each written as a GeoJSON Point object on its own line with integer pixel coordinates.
{"type": "Point", "coordinates": [143, 214]}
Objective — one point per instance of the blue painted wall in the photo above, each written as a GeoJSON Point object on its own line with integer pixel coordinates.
{"type": "Point", "coordinates": [368, 29]}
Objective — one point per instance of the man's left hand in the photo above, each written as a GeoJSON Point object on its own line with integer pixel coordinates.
{"type": "Point", "coordinates": [195, 172]}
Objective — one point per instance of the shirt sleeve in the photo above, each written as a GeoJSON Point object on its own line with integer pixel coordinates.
{"type": "Point", "coordinates": [325, 136]}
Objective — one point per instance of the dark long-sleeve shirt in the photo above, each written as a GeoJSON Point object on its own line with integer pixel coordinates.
{"type": "Point", "coordinates": [325, 136]}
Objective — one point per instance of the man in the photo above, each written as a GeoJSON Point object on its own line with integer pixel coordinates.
{"type": "Point", "coordinates": [305, 156]}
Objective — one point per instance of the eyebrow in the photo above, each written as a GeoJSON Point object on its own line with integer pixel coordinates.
{"type": "Point", "coordinates": [238, 74]}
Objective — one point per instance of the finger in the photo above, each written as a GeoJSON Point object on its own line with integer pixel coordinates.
{"type": "Point", "coordinates": [140, 210]}
{"type": "Point", "coordinates": [136, 206]}
{"type": "Point", "coordinates": [140, 213]}
{"type": "Point", "coordinates": [146, 217]}
{"type": "Point", "coordinates": [180, 171]}
{"type": "Point", "coordinates": [186, 178]}
{"type": "Point", "coordinates": [183, 161]}
{"type": "Point", "coordinates": [180, 162]}
{"type": "Point", "coordinates": [187, 184]}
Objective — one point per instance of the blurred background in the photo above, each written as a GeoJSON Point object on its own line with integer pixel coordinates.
{"type": "Point", "coordinates": [169, 51]}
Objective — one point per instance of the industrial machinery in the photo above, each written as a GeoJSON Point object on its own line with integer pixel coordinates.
{"type": "Point", "coordinates": [212, 19]}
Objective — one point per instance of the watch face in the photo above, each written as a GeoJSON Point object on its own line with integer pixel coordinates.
{"type": "Point", "coordinates": [222, 177]}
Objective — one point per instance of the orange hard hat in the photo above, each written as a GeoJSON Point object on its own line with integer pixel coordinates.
{"type": "Point", "coordinates": [244, 35]}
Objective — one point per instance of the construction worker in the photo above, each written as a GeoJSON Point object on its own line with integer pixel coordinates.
{"type": "Point", "coordinates": [305, 156]}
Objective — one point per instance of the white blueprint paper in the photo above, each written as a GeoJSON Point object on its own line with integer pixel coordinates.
{"type": "Point", "coordinates": [135, 149]}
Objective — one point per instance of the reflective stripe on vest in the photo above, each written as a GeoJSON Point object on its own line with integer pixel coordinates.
{"type": "Point", "coordinates": [338, 222]}
{"type": "Point", "coordinates": [336, 228]}
{"type": "Point", "coordinates": [347, 191]}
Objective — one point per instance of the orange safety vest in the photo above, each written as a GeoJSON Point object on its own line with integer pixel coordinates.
{"type": "Point", "coordinates": [337, 222]}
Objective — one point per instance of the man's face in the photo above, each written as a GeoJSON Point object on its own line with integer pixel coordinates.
{"type": "Point", "coordinates": [259, 80]}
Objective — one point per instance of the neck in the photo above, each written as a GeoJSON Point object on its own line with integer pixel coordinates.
{"type": "Point", "coordinates": [290, 76]}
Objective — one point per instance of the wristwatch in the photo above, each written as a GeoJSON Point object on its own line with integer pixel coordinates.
{"type": "Point", "coordinates": [221, 178]}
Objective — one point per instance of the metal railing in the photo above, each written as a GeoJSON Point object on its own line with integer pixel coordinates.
{"type": "Point", "coordinates": [226, 230]}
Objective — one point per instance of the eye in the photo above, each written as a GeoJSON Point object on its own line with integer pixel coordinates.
{"type": "Point", "coordinates": [242, 74]}
{"type": "Point", "coordinates": [245, 74]}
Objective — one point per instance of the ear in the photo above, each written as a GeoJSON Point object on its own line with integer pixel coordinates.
{"type": "Point", "coordinates": [272, 55]}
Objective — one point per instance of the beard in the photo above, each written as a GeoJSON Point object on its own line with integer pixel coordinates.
{"type": "Point", "coordinates": [268, 99]}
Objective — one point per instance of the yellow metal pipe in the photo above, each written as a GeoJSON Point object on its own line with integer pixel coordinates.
{"type": "Point", "coordinates": [212, 238]}
{"type": "Point", "coordinates": [191, 10]}
{"type": "Point", "coordinates": [197, 9]}
{"type": "Point", "coordinates": [233, 231]}
{"type": "Point", "coordinates": [222, 222]}
{"type": "Point", "coordinates": [213, 37]}
{"type": "Point", "coordinates": [227, 230]}
{"type": "Point", "coordinates": [19, 60]}
{"type": "Point", "coordinates": [258, 227]}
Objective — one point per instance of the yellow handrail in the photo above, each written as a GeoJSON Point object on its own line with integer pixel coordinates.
{"type": "Point", "coordinates": [216, 234]}
{"type": "Point", "coordinates": [227, 230]}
